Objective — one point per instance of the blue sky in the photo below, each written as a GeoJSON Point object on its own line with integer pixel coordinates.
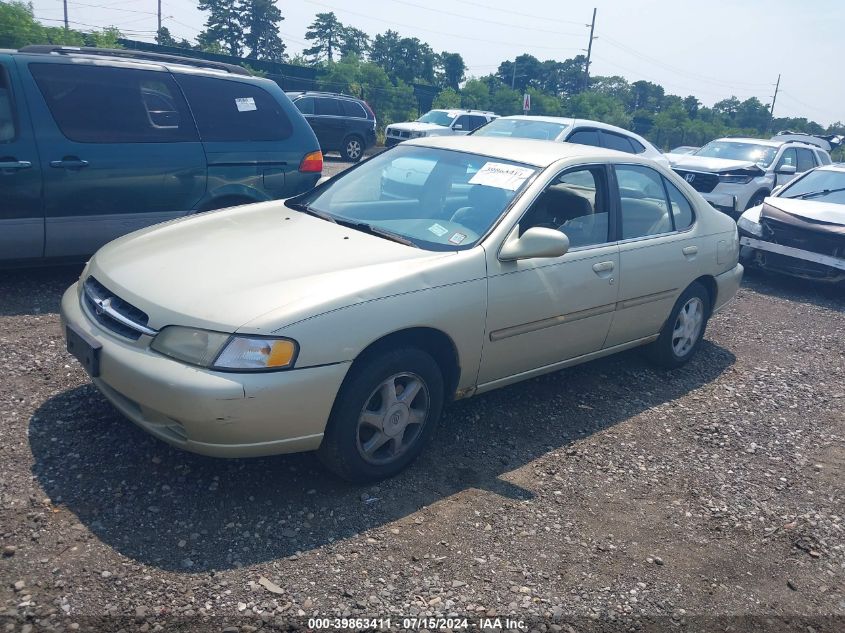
{"type": "Point", "coordinates": [711, 49]}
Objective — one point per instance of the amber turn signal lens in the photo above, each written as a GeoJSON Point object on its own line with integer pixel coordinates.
{"type": "Point", "coordinates": [312, 163]}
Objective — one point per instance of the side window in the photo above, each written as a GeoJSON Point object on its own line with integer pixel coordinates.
{"type": "Point", "coordinates": [788, 158]}
{"type": "Point", "coordinates": [476, 122]}
{"type": "Point", "coordinates": [305, 105]}
{"type": "Point", "coordinates": [324, 106]}
{"type": "Point", "coordinates": [806, 160]}
{"type": "Point", "coordinates": [639, 148]}
{"type": "Point", "coordinates": [643, 202]}
{"type": "Point", "coordinates": [353, 109]}
{"type": "Point", "coordinates": [7, 119]}
{"type": "Point", "coordinates": [575, 203]}
{"type": "Point", "coordinates": [228, 110]}
{"type": "Point", "coordinates": [585, 136]}
{"type": "Point", "coordinates": [682, 214]}
{"type": "Point", "coordinates": [824, 158]}
{"type": "Point", "coordinates": [101, 104]}
{"type": "Point", "coordinates": [617, 142]}
{"type": "Point", "coordinates": [462, 123]}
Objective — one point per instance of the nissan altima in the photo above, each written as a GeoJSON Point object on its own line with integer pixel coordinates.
{"type": "Point", "coordinates": [344, 319]}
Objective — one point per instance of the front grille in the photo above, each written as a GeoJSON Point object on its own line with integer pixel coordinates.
{"type": "Point", "coordinates": [404, 134]}
{"type": "Point", "coordinates": [122, 317]}
{"type": "Point", "coordinates": [813, 241]}
{"type": "Point", "coordinates": [699, 180]}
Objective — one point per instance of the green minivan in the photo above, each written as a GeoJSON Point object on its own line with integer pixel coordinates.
{"type": "Point", "coordinates": [96, 143]}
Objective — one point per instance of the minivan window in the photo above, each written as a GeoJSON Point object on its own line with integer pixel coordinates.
{"type": "Point", "coordinates": [228, 110]}
{"type": "Point", "coordinates": [353, 109]}
{"type": "Point", "coordinates": [327, 107]}
{"type": "Point", "coordinates": [102, 104]}
{"type": "Point", "coordinates": [7, 121]}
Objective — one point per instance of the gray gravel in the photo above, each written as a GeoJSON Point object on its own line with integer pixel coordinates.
{"type": "Point", "coordinates": [612, 491]}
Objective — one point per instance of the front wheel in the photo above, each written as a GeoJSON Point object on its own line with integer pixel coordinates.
{"type": "Point", "coordinates": [385, 413]}
{"type": "Point", "coordinates": [353, 149]}
{"type": "Point", "coordinates": [684, 329]}
{"type": "Point", "coordinates": [756, 200]}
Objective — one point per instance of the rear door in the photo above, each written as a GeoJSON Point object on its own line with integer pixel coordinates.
{"type": "Point", "coordinates": [21, 211]}
{"type": "Point", "coordinates": [118, 148]}
{"type": "Point", "coordinates": [332, 122]}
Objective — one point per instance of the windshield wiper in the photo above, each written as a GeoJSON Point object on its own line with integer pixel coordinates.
{"type": "Point", "coordinates": [304, 208]}
{"type": "Point", "coordinates": [815, 194]}
{"type": "Point", "coordinates": [377, 230]}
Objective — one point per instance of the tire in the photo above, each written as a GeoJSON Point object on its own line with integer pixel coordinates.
{"type": "Point", "coordinates": [352, 149]}
{"type": "Point", "coordinates": [756, 200]}
{"type": "Point", "coordinates": [367, 439]}
{"type": "Point", "coordinates": [670, 350]}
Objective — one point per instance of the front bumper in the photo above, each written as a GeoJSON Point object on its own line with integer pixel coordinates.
{"type": "Point", "coordinates": [207, 412]}
{"type": "Point", "coordinates": [390, 141]}
{"type": "Point", "coordinates": [727, 285]}
{"type": "Point", "coordinates": [792, 261]}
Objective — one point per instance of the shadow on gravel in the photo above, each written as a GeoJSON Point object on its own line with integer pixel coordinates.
{"type": "Point", "coordinates": [800, 290]}
{"type": "Point", "coordinates": [35, 290]}
{"type": "Point", "coordinates": [178, 511]}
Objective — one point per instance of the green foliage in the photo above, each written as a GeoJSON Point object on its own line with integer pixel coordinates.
{"type": "Point", "coordinates": [599, 107]}
{"type": "Point", "coordinates": [405, 58]}
{"type": "Point", "coordinates": [447, 98]}
{"type": "Point", "coordinates": [19, 28]}
{"type": "Point", "coordinates": [354, 42]}
{"type": "Point", "coordinates": [326, 32]}
{"type": "Point", "coordinates": [450, 70]}
{"type": "Point", "coordinates": [223, 27]}
{"type": "Point", "coordinates": [260, 19]}
{"type": "Point", "coordinates": [475, 94]}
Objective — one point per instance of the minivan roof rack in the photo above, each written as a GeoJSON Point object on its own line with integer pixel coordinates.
{"type": "Point", "coordinates": [45, 49]}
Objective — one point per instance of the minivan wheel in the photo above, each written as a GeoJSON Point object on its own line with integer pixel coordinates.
{"type": "Point", "coordinates": [384, 415]}
{"type": "Point", "coordinates": [353, 149]}
{"type": "Point", "coordinates": [684, 329]}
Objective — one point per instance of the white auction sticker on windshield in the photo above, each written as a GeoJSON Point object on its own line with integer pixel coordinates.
{"type": "Point", "coordinates": [501, 175]}
{"type": "Point", "coordinates": [438, 230]}
{"type": "Point", "coordinates": [457, 238]}
{"type": "Point", "coordinates": [245, 104]}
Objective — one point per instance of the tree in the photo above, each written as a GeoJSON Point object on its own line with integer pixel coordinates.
{"type": "Point", "coordinates": [164, 38]}
{"type": "Point", "coordinates": [447, 98]}
{"type": "Point", "coordinates": [475, 94]}
{"type": "Point", "coordinates": [326, 31]}
{"type": "Point", "coordinates": [383, 48]}
{"type": "Point", "coordinates": [450, 69]}
{"type": "Point", "coordinates": [18, 26]}
{"type": "Point", "coordinates": [525, 70]}
{"type": "Point", "coordinates": [354, 42]}
{"type": "Point", "coordinates": [260, 19]}
{"type": "Point", "coordinates": [563, 78]}
{"type": "Point", "coordinates": [223, 27]}
{"type": "Point", "coordinates": [645, 96]}
{"type": "Point", "coordinates": [691, 105]}
{"type": "Point", "coordinates": [612, 86]}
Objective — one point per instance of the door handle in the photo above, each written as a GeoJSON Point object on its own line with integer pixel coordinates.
{"type": "Point", "coordinates": [14, 164]}
{"type": "Point", "coordinates": [69, 162]}
{"type": "Point", "coordinates": [689, 251]}
{"type": "Point", "coordinates": [603, 267]}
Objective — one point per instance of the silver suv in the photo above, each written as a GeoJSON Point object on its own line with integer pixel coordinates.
{"type": "Point", "coordinates": [735, 174]}
{"type": "Point", "coordinates": [438, 123]}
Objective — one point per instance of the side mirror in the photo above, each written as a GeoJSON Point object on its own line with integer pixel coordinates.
{"type": "Point", "coordinates": [458, 127]}
{"type": "Point", "coordinates": [535, 242]}
{"type": "Point", "coordinates": [786, 170]}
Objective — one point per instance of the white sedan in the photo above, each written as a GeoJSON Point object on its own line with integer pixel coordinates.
{"type": "Point", "coordinates": [344, 319]}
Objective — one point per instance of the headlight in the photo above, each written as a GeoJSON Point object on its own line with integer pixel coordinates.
{"type": "Point", "coordinates": [419, 134]}
{"type": "Point", "coordinates": [735, 179]}
{"type": "Point", "coordinates": [227, 352]}
{"type": "Point", "coordinates": [750, 222]}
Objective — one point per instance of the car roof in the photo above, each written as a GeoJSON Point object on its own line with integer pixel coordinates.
{"type": "Point", "coordinates": [749, 140]}
{"type": "Point", "coordinates": [529, 151]}
{"type": "Point", "coordinates": [568, 121]}
{"type": "Point", "coordinates": [838, 167]}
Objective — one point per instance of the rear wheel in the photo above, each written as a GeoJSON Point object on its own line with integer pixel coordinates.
{"type": "Point", "coordinates": [353, 148]}
{"type": "Point", "coordinates": [385, 413]}
{"type": "Point", "coordinates": [684, 329]}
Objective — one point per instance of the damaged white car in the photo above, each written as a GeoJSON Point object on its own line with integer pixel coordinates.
{"type": "Point", "coordinates": [800, 231]}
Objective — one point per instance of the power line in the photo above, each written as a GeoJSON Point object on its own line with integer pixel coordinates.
{"type": "Point", "coordinates": [544, 18]}
{"type": "Point", "coordinates": [108, 8]}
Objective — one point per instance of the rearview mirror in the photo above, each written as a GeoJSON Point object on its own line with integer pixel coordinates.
{"type": "Point", "coordinates": [786, 170]}
{"type": "Point", "coordinates": [535, 242]}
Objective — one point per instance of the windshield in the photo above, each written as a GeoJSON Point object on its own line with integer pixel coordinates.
{"type": "Point", "coordinates": [437, 199]}
{"type": "Point", "coordinates": [438, 117]}
{"type": "Point", "coordinates": [522, 128]}
{"type": "Point", "coordinates": [820, 184]}
{"type": "Point", "coordinates": [763, 155]}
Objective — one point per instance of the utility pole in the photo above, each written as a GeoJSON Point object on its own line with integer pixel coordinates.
{"type": "Point", "coordinates": [159, 17]}
{"type": "Point", "coordinates": [774, 98]}
{"type": "Point", "coordinates": [513, 75]}
{"type": "Point", "coordinates": [589, 52]}
{"type": "Point", "coordinates": [66, 23]}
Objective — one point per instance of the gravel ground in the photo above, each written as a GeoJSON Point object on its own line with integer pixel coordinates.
{"type": "Point", "coordinates": [609, 495]}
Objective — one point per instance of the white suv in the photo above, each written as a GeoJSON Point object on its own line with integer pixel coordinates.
{"type": "Point", "coordinates": [735, 174]}
{"type": "Point", "coordinates": [437, 123]}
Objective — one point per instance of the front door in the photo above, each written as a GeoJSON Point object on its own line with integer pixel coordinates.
{"type": "Point", "coordinates": [21, 211]}
{"type": "Point", "coordinates": [119, 151]}
{"type": "Point", "coordinates": [546, 310]}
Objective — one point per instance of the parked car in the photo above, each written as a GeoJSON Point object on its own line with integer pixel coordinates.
{"type": "Point", "coordinates": [96, 143]}
{"type": "Point", "coordinates": [684, 149]}
{"type": "Point", "coordinates": [581, 131]}
{"type": "Point", "coordinates": [342, 123]}
{"type": "Point", "coordinates": [800, 229]}
{"type": "Point", "coordinates": [734, 174]}
{"type": "Point", "coordinates": [341, 321]}
{"type": "Point", "coordinates": [437, 123]}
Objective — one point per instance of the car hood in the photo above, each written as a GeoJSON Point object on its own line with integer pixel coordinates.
{"type": "Point", "coordinates": [703, 163]}
{"type": "Point", "coordinates": [263, 265]}
{"type": "Point", "coordinates": [825, 216]}
{"type": "Point", "coordinates": [416, 126]}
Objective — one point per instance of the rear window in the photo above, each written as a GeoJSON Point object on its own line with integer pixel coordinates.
{"type": "Point", "coordinates": [585, 137]}
{"type": "Point", "coordinates": [327, 107]}
{"type": "Point", "coordinates": [228, 110]}
{"type": "Point", "coordinates": [102, 104]}
{"type": "Point", "coordinates": [824, 158]}
{"type": "Point", "coordinates": [806, 160]}
{"type": "Point", "coordinates": [617, 142]}
{"type": "Point", "coordinates": [353, 109]}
